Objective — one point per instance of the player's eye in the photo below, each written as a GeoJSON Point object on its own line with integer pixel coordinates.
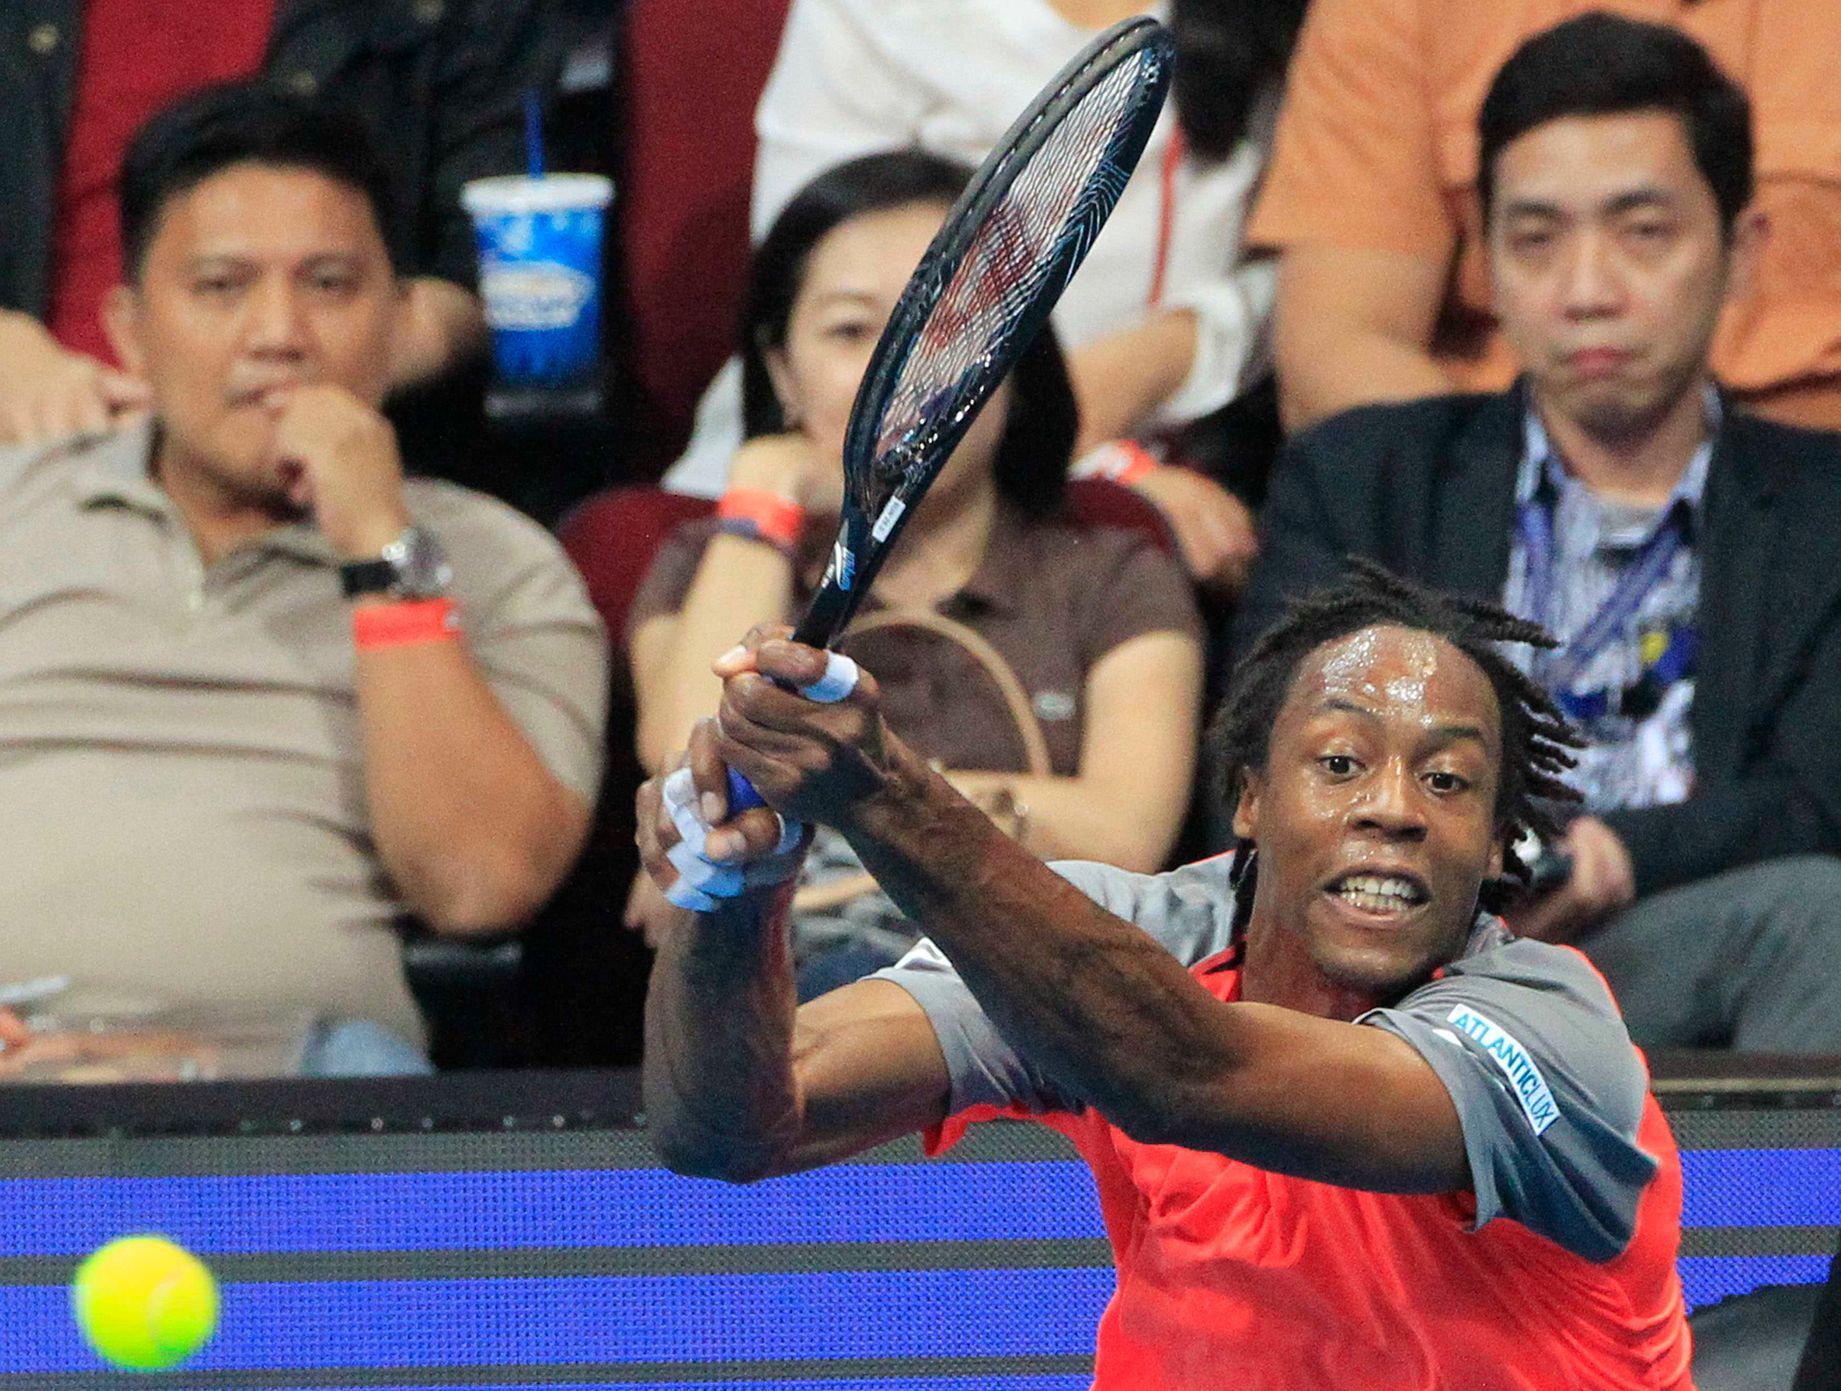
{"type": "Point", "coordinates": [1443, 780]}
{"type": "Point", "coordinates": [1338, 765]}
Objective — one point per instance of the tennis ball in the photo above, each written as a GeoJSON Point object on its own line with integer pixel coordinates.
{"type": "Point", "coordinates": [144, 1303]}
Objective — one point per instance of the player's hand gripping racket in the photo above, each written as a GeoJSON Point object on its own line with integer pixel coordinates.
{"type": "Point", "coordinates": [981, 293]}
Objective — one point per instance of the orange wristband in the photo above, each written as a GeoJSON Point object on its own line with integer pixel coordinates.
{"type": "Point", "coordinates": [1131, 462]}
{"type": "Point", "coordinates": [405, 624]}
{"type": "Point", "coordinates": [777, 519]}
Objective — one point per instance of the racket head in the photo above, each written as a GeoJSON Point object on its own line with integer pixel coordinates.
{"type": "Point", "coordinates": [982, 291]}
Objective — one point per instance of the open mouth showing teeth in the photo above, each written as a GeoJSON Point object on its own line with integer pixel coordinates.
{"type": "Point", "coordinates": [1379, 893]}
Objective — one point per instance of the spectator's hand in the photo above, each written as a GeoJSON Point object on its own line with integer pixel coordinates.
{"type": "Point", "coordinates": [1603, 880]}
{"type": "Point", "coordinates": [1214, 530]}
{"type": "Point", "coordinates": [338, 457]}
{"type": "Point", "coordinates": [788, 465]}
{"type": "Point", "coordinates": [48, 392]}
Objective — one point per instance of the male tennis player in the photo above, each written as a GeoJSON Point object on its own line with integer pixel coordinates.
{"type": "Point", "coordinates": [1367, 1139]}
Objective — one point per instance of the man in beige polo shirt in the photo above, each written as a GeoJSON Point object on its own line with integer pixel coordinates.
{"type": "Point", "coordinates": [260, 699]}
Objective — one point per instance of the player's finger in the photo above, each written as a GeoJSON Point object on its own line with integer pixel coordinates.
{"type": "Point", "coordinates": [654, 832]}
{"type": "Point", "coordinates": [708, 773]}
{"type": "Point", "coordinates": [755, 834]}
{"type": "Point", "coordinates": [790, 663]}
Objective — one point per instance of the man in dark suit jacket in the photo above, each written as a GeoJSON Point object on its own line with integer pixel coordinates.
{"type": "Point", "coordinates": [1684, 554]}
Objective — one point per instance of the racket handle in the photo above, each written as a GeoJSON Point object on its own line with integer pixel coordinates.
{"type": "Point", "coordinates": [742, 796]}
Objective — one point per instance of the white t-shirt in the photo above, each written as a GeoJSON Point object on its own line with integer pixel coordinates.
{"type": "Point", "coordinates": [858, 76]}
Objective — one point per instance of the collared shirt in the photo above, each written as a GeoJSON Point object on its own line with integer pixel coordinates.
{"type": "Point", "coordinates": [182, 793]}
{"type": "Point", "coordinates": [1230, 1274]}
{"type": "Point", "coordinates": [1629, 697]}
{"type": "Point", "coordinates": [1051, 599]}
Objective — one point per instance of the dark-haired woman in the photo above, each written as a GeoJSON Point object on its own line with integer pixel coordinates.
{"type": "Point", "coordinates": [1019, 653]}
{"type": "Point", "coordinates": [1168, 321]}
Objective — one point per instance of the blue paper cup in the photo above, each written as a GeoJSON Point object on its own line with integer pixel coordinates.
{"type": "Point", "coordinates": [540, 274]}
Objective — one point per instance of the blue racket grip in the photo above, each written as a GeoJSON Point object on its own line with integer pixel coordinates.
{"type": "Point", "coordinates": [742, 796]}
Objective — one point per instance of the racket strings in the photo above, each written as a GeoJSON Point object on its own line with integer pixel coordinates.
{"type": "Point", "coordinates": [1038, 230]}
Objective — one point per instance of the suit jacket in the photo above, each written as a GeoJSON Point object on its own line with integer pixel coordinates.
{"type": "Point", "coordinates": [1427, 488]}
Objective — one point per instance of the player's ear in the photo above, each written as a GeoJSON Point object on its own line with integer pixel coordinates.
{"type": "Point", "coordinates": [1246, 804]}
{"type": "Point", "coordinates": [1498, 852]}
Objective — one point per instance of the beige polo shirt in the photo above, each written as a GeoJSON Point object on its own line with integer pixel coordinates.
{"type": "Point", "coordinates": [182, 809]}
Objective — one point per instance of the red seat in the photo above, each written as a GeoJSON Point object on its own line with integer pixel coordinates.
{"type": "Point", "coordinates": [690, 73]}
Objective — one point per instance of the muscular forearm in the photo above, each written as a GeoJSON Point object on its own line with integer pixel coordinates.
{"type": "Point", "coordinates": [1100, 1006]}
{"type": "Point", "coordinates": [1092, 999]}
{"type": "Point", "coordinates": [721, 1101]}
{"type": "Point", "coordinates": [471, 825]}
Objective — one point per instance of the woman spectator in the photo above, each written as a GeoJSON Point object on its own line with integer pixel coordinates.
{"type": "Point", "coordinates": [1168, 322]}
{"type": "Point", "coordinates": [1016, 651]}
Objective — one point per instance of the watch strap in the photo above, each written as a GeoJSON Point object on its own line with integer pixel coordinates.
{"type": "Point", "coordinates": [360, 577]}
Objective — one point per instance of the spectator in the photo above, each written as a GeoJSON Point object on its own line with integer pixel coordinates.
{"type": "Point", "coordinates": [1167, 322]}
{"type": "Point", "coordinates": [439, 86]}
{"type": "Point", "coordinates": [1092, 625]}
{"type": "Point", "coordinates": [246, 726]}
{"type": "Point", "coordinates": [1679, 547]}
{"type": "Point", "coordinates": [1384, 294]}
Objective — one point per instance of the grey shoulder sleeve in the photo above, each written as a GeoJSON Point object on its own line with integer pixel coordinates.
{"type": "Point", "coordinates": [1187, 911]}
{"type": "Point", "coordinates": [1548, 1088]}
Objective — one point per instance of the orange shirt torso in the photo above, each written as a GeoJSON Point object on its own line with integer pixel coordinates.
{"type": "Point", "coordinates": [1233, 1276]}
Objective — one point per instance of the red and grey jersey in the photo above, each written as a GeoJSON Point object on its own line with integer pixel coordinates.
{"type": "Point", "coordinates": [1556, 1268]}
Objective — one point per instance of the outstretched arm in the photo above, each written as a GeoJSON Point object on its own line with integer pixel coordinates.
{"type": "Point", "coordinates": [1090, 999]}
{"type": "Point", "coordinates": [740, 1084]}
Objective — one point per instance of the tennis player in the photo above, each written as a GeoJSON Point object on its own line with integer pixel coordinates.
{"type": "Point", "coordinates": [1347, 1131]}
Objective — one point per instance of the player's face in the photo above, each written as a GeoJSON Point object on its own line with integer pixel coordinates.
{"type": "Point", "coordinates": [1375, 816]}
{"type": "Point", "coordinates": [258, 278]}
{"type": "Point", "coordinates": [1610, 266]}
{"type": "Point", "coordinates": [853, 277]}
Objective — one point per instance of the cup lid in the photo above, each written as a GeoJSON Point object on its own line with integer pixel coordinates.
{"type": "Point", "coordinates": [518, 193]}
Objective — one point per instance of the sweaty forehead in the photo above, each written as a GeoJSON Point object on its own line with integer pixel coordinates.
{"type": "Point", "coordinates": [1398, 673]}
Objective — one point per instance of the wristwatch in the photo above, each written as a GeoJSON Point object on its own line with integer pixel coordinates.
{"type": "Point", "coordinates": [411, 567]}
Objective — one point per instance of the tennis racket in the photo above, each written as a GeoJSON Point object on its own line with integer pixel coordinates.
{"type": "Point", "coordinates": [982, 291]}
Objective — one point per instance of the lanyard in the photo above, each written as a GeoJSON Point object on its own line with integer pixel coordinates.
{"type": "Point", "coordinates": [1559, 669]}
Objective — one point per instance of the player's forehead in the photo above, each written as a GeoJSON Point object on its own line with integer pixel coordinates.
{"type": "Point", "coordinates": [1391, 676]}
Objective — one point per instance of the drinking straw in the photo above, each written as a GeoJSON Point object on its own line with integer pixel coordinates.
{"type": "Point", "coordinates": [533, 134]}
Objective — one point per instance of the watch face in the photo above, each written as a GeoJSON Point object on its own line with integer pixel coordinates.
{"type": "Point", "coordinates": [421, 566]}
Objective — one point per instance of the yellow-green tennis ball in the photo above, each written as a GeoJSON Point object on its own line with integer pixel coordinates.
{"type": "Point", "coordinates": [144, 1303]}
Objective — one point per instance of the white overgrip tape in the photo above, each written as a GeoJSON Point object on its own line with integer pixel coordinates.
{"type": "Point", "coordinates": [701, 881]}
{"type": "Point", "coordinates": [839, 680]}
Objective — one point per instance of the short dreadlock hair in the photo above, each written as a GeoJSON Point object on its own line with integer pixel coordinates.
{"type": "Point", "coordinates": [1536, 736]}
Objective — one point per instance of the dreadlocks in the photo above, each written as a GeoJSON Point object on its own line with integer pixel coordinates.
{"type": "Point", "coordinates": [1536, 736]}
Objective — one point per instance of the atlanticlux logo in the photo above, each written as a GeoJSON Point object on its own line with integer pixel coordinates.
{"type": "Point", "coordinates": [534, 296]}
{"type": "Point", "coordinates": [1525, 1078]}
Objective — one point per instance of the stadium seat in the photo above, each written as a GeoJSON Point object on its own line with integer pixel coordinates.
{"type": "Point", "coordinates": [689, 74]}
